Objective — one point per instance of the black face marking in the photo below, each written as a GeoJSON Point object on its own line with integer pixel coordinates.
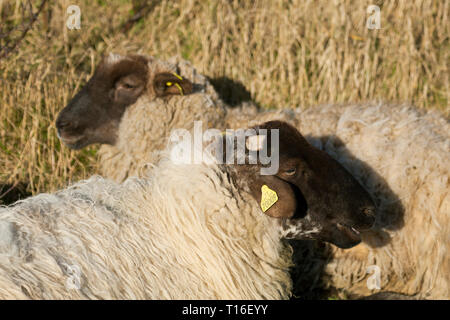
{"type": "Point", "coordinates": [94, 113]}
{"type": "Point", "coordinates": [319, 199]}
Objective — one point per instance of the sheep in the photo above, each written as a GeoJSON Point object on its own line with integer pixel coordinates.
{"type": "Point", "coordinates": [397, 152]}
{"type": "Point", "coordinates": [119, 103]}
{"type": "Point", "coordinates": [184, 231]}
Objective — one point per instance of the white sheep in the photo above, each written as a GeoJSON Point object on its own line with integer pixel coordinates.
{"type": "Point", "coordinates": [400, 154]}
{"type": "Point", "coordinates": [185, 231]}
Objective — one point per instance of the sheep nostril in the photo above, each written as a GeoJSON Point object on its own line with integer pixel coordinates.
{"type": "Point", "coordinates": [369, 216]}
{"type": "Point", "coordinates": [63, 124]}
{"type": "Point", "coordinates": [369, 211]}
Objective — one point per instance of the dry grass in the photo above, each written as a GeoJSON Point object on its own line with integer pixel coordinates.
{"type": "Point", "coordinates": [286, 53]}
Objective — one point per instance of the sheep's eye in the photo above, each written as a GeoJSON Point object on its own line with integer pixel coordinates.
{"type": "Point", "coordinates": [290, 172]}
{"type": "Point", "coordinates": [128, 86]}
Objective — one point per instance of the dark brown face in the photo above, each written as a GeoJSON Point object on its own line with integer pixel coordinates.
{"type": "Point", "coordinates": [94, 113]}
{"type": "Point", "coordinates": [317, 198]}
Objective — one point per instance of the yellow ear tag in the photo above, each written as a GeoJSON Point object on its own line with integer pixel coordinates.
{"type": "Point", "coordinates": [268, 198]}
{"type": "Point", "coordinates": [179, 88]}
{"type": "Point", "coordinates": [177, 75]}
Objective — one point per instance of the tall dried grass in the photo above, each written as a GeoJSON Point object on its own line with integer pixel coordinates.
{"type": "Point", "coordinates": [286, 53]}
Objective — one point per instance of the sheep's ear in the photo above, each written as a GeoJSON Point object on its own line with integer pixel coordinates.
{"type": "Point", "coordinates": [274, 196]}
{"type": "Point", "coordinates": [167, 83]}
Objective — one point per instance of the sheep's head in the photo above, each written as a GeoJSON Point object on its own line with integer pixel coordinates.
{"type": "Point", "coordinates": [94, 113]}
{"type": "Point", "coordinates": [311, 193]}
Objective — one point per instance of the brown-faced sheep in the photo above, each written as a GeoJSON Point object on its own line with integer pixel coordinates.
{"type": "Point", "coordinates": [185, 231]}
{"type": "Point", "coordinates": [131, 104]}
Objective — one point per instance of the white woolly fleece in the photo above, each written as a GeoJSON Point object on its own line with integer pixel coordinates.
{"type": "Point", "coordinates": [184, 232]}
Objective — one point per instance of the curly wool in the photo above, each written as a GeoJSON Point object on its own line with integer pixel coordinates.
{"type": "Point", "coordinates": [184, 232]}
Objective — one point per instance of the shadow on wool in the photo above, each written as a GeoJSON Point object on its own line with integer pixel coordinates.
{"type": "Point", "coordinates": [310, 257]}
